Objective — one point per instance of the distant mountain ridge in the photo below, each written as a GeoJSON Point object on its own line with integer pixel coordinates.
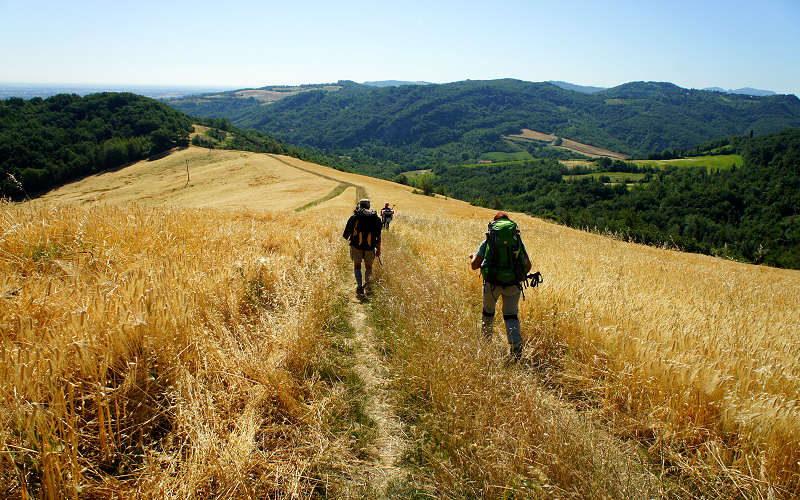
{"type": "Point", "coordinates": [577, 88]}
{"type": "Point", "coordinates": [743, 91]}
{"type": "Point", "coordinates": [394, 83]}
{"type": "Point", "coordinates": [593, 90]}
{"type": "Point", "coordinates": [43, 90]}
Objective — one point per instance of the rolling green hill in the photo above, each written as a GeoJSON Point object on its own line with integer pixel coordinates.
{"type": "Point", "coordinates": [421, 126]}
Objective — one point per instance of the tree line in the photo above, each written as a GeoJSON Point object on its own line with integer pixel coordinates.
{"type": "Point", "coordinates": [750, 213]}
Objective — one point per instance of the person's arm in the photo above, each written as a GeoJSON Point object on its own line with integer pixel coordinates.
{"type": "Point", "coordinates": [348, 228]}
{"type": "Point", "coordinates": [476, 259]}
{"type": "Point", "coordinates": [528, 264]}
{"type": "Point", "coordinates": [378, 227]}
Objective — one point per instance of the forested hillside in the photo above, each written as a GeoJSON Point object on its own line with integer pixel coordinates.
{"type": "Point", "coordinates": [421, 126]}
{"type": "Point", "coordinates": [751, 213]}
{"type": "Point", "coordinates": [45, 143]}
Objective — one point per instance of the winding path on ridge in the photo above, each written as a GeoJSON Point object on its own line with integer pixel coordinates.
{"type": "Point", "coordinates": [361, 192]}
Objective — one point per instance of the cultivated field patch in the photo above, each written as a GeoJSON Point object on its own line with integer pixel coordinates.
{"type": "Point", "coordinates": [715, 162]}
{"type": "Point", "coordinates": [568, 144]}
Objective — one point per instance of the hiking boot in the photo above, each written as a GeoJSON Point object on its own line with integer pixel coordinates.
{"type": "Point", "coordinates": [359, 290]}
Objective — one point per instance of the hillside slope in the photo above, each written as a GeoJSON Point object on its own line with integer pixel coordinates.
{"type": "Point", "coordinates": [646, 371]}
{"type": "Point", "coordinates": [469, 117]}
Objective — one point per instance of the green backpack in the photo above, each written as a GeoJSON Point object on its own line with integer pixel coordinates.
{"type": "Point", "coordinates": [504, 257]}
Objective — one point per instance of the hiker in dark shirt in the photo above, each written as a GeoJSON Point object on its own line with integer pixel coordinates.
{"type": "Point", "coordinates": [386, 215]}
{"type": "Point", "coordinates": [363, 229]}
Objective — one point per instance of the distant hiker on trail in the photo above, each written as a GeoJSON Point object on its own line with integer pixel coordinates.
{"type": "Point", "coordinates": [504, 263]}
{"type": "Point", "coordinates": [364, 231]}
{"type": "Point", "coordinates": [386, 215]}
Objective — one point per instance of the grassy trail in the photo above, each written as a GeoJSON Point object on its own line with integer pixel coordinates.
{"type": "Point", "coordinates": [477, 427]}
{"type": "Point", "coordinates": [547, 427]}
{"type": "Point", "coordinates": [361, 192]}
{"type": "Point", "coordinates": [389, 441]}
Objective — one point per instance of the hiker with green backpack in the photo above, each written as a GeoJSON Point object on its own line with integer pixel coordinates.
{"type": "Point", "coordinates": [504, 264]}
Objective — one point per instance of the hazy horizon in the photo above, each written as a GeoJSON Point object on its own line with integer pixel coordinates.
{"type": "Point", "coordinates": [29, 89]}
{"type": "Point", "coordinates": [730, 44]}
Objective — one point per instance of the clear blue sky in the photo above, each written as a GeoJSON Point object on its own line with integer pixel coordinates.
{"type": "Point", "coordinates": [238, 44]}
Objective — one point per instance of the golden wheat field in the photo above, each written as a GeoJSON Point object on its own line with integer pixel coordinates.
{"type": "Point", "coordinates": [168, 340]}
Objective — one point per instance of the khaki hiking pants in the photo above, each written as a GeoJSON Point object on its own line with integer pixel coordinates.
{"type": "Point", "coordinates": [368, 256]}
{"type": "Point", "coordinates": [511, 296]}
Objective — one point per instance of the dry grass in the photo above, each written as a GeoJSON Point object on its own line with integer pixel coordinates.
{"type": "Point", "coordinates": [481, 428]}
{"type": "Point", "coordinates": [218, 179]}
{"type": "Point", "coordinates": [199, 130]}
{"type": "Point", "coordinates": [152, 352]}
{"type": "Point", "coordinates": [161, 352]}
{"type": "Point", "coordinates": [693, 358]}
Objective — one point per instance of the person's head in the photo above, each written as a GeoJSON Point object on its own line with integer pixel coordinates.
{"type": "Point", "coordinates": [501, 215]}
{"type": "Point", "coordinates": [363, 203]}
{"type": "Point", "coordinates": [386, 206]}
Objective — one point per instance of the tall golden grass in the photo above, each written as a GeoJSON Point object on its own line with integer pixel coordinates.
{"type": "Point", "coordinates": [691, 360]}
{"type": "Point", "coordinates": [149, 352]}
{"type": "Point", "coordinates": [168, 353]}
{"type": "Point", "coordinates": [481, 428]}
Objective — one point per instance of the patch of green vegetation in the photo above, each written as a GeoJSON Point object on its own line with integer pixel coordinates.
{"type": "Point", "coordinates": [333, 194]}
{"type": "Point", "coordinates": [427, 184]}
{"type": "Point", "coordinates": [44, 253]}
{"type": "Point", "coordinates": [45, 143]}
{"type": "Point", "coordinates": [500, 156]}
{"type": "Point", "coordinates": [335, 365]}
{"type": "Point", "coordinates": [414, 175]}
{"type": "Point", "coordinates": [711, 162]}
{"type": "Point", "coordinates": [608, 177]}
{"type": "Point", "coordinates": [494, 164]}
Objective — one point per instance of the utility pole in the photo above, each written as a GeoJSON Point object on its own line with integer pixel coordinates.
{"type": "Point", "coordinates": [187, 173]}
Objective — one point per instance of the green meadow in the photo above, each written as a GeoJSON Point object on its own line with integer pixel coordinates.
{"type": "Point", "coordinates": [717, 162]}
